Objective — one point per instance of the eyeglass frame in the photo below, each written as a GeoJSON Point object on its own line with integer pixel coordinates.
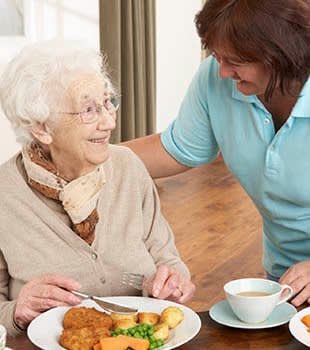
{"type": "Point", "coordinates": [99, 109]}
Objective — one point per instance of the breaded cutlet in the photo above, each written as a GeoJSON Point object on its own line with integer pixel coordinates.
{"type": "Point", "coordinates": [82, 338]}
{"type": "Point", "coordinates": [80, 317]}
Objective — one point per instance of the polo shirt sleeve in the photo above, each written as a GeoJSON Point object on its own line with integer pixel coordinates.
{"type": "Point", "coordinates": [189, 138]}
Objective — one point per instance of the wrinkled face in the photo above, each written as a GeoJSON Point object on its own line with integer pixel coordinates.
{"type": "Point", "coordinates": [251, 77]}
{"type": "Point", "coordinates": [78, 147]}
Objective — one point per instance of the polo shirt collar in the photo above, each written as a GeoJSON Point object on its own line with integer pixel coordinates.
{"type": "Point", "coordinates": [236, 94]}
{"type": "Point", "coordinates": [302, 107]}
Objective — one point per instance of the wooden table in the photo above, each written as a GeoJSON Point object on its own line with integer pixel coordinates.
{"type": "Point", "coordinates": [216, 337]}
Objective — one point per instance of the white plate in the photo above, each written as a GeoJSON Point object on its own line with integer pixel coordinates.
{"type": "Point", "coordinates": [223, 314]}
{"type": "Point", "coordinates": [44, 331]}
{"type": "Point", "coordinates": [298, 329]}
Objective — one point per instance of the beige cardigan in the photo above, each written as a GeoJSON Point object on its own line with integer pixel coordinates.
{"type": "Point", "coordinates": [35, 239]}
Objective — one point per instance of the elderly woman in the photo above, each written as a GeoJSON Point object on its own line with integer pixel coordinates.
{"type": "Point", "coordinates": [75, 211]}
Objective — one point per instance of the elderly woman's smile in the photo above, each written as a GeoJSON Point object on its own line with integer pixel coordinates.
{"type": "Point", "coordinates": [99, 141]}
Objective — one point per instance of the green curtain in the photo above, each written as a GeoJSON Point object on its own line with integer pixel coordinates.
{"type": "Point", "coordinates": [127, 38]}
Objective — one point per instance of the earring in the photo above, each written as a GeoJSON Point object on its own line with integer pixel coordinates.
{"type": "Point", "coordinates": [47, 139]}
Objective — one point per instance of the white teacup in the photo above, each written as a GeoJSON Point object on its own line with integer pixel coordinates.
{"type": "Point", "coordinates": [2, 337]}
{"type": "Point", "coordinates": [254, 299]}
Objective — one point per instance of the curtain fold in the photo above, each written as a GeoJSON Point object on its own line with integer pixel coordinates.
{"type": "Point", "coordinates": [127, 39]}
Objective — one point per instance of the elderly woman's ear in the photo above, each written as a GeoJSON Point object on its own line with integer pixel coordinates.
{"type": "Point", "coordinates": [42, 133]}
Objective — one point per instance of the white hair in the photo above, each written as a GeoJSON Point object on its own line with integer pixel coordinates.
{"type": "Point", "coordinates": [38, 75]}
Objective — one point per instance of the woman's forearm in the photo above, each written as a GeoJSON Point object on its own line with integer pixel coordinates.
{"type": "Point", "coordinates": [156, 159]}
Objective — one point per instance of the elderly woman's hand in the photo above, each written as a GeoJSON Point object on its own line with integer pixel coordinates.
{"type": "Point", "coordinates": [298, 277]}
{"type": "Point", "coordinates": [168, 283]}
{"type": "Point", "coordinates": [43, 293]}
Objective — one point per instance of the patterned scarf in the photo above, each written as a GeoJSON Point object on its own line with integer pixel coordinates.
{"type": "Point", "coordinates": [78, 197]}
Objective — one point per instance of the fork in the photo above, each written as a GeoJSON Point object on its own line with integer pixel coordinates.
{"type": "Point", "coordinates": [134, 280]}
{"type": "Point", "coordinates": [107, 306]}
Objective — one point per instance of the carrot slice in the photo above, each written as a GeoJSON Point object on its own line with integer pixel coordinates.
{"type": "Point", "coordinates": [122, 342]}
{"type": "Point", "coordinates": [139, 343]}
{"type": "Point", "coordinates": [306, 320]}
{"type": "Point", "coordinates": [97, 346]}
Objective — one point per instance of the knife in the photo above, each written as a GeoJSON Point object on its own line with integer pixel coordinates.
{"type": "Point", "coordinates": [107, 306]}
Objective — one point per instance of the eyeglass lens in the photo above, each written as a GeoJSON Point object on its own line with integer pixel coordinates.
{"type": "Point", "coordinates": [91, 113]}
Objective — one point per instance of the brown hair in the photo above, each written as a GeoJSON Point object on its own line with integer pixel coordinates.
{"type": "Point", "coordinates": [273, 32]}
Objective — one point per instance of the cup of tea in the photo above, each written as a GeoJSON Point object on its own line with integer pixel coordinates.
{"type": "Point", "coordinates": [2, 337]}
{"type": "Point", "coordinates": [253, 299]}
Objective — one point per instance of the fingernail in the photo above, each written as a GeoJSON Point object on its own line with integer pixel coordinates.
{"type": "Point", "coordinates": [156, 292]}
{"type": "Point", "coordinates": [75, 300]}
{"type": "Point", "coordinates": [77, 286]}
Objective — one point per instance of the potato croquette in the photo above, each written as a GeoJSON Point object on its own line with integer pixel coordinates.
{"type": "Point", "coordinates": [124, 323]}
{"type": "Point", "coordinates": [83, 338]}
{"type": "Point", "coordinates": [118, 316]}
{"type": "Point", "coordinates": [172, 316]}
{"type": "Point", "coordinates": [148, 317]}
{"type": "Point", "coordinates": [80, 317]}
{"type": "Point", "coordinates": [161, 331]}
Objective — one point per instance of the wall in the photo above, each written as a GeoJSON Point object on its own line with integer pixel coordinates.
{"type": "Point", "coordinates": [178, 55]}
{"type": "Point", "coordinates": [74, 19]}
{"type": "Point", "coordinates": [178, 48]}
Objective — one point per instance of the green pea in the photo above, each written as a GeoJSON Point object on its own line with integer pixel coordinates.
{"type": "Point", "coordinates": [158, 343]}
{"type": "Point", "coordinates": [161, 342]}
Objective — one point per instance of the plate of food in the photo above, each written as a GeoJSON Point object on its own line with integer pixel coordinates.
{"type": "Point", "coordinates": [165, 324]}
{"type": "Point", "coordinates": [300, 326]}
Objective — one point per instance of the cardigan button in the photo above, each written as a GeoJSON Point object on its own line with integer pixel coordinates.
{"type": "Point", "coordinates": [94, 256]}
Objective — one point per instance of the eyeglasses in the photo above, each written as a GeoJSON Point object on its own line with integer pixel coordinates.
{"type": "Point", "coordinates": [92, 111]}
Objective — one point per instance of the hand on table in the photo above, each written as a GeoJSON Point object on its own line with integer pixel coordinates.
{"type": "Point", "coordinates": [298, 277]}
{"type": "Point", "coordinates": [43, 293]}
{"type": "Point", "coordinates": [167, 283]}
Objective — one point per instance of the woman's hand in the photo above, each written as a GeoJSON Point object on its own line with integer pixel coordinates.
{"type": "Point", "coordinates": [43, 293]}
{"type": "Point", "coordinates": [167, 283]}
{"type": "Point", "coordinates": [298, 277]}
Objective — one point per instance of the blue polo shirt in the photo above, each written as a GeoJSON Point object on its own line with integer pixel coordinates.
{"type": "Point", "coordinates": [273, 168]}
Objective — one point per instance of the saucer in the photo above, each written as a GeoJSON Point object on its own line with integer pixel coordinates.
{"type": "Point", "coordinates": [223, 314]}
